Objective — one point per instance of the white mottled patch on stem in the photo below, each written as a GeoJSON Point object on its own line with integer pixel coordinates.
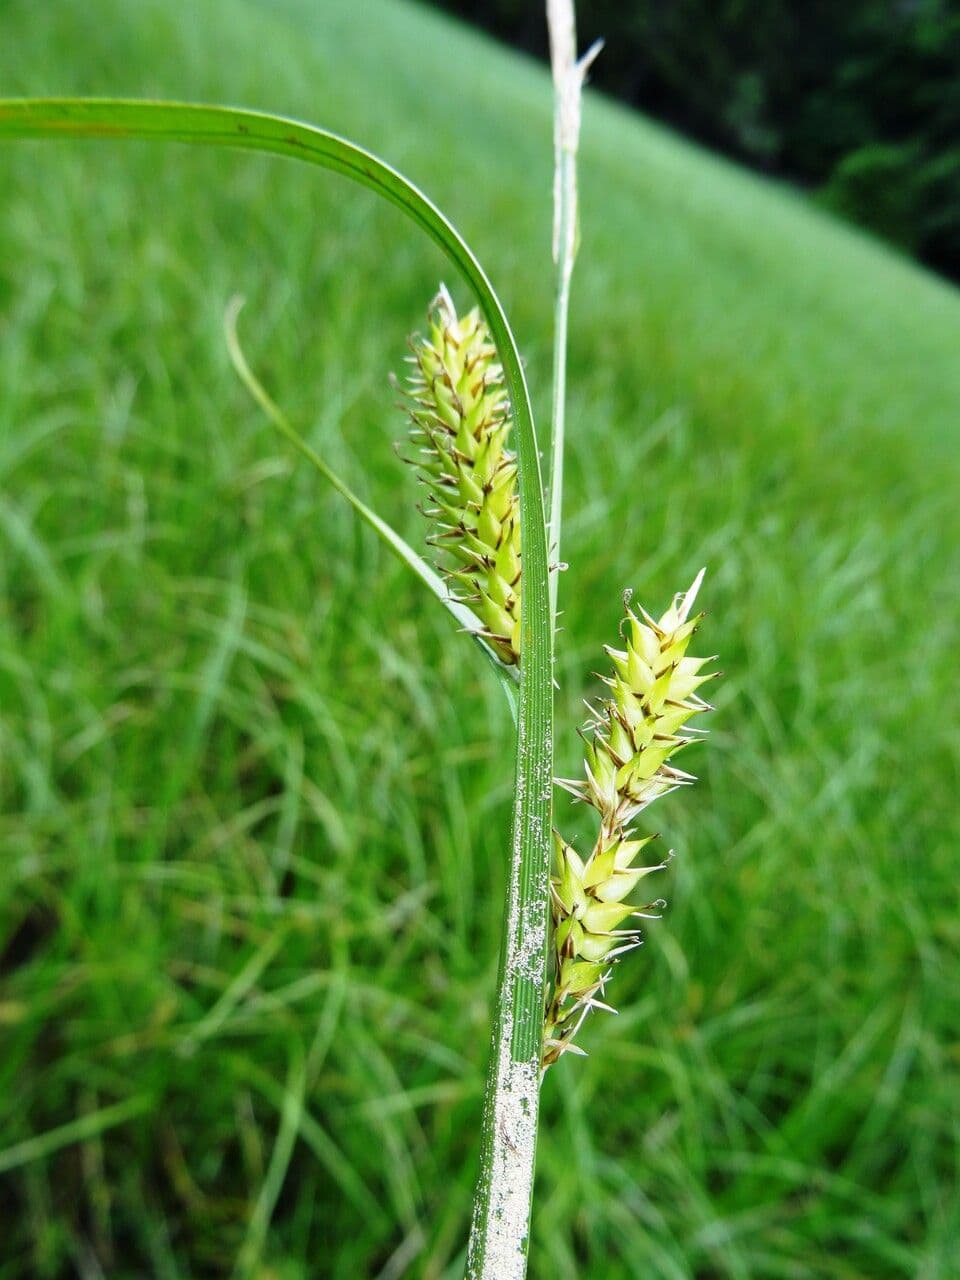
{"type": "Point", "coordinates": [499, 1237]}
{"type": "Point", "coordinates": [511, 1175]}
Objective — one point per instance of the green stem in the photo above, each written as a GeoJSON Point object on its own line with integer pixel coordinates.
{"type": "Point", "coordinates": [501, 1215]}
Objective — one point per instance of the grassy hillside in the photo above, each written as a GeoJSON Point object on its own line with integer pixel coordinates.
{"type": "Point", "coordinates": [254, 794]}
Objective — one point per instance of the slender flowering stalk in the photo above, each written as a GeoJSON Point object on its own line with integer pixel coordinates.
{"type": "Point", "coordinates": [460, 423]}
{"type": "Point", "coordinates": [569, 76]}
{"type": "Point", "coordinates": [631, 739]}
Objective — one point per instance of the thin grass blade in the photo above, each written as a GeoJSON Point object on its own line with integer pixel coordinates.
{"type": "Point", "coordinates": [502, 1206]}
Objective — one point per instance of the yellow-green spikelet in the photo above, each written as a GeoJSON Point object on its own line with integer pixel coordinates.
{"type": "Point", "coordinates": [460, 423]}
{"type": "Point", "coordinates": [630, 741]}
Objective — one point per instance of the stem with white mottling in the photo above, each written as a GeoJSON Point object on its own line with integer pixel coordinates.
{"type": "Point", "coordinates": [501, 1220]}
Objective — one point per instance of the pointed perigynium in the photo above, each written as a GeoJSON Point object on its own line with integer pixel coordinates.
{"type": "Point", "coordinates": [460, 422]}
{"type": "Point", "coordinates": [631, 739]}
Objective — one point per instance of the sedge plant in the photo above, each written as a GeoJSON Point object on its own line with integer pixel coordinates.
{"type": "Point", "coordinates": [473, 446]}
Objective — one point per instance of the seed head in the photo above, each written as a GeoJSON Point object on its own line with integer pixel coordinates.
{"type": "Point", "coordinates": [631, 738]}
{"type": "Point", "coordinates": [460, 422]}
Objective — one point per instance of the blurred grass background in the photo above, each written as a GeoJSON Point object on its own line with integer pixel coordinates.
{"type": "Point", "coordinates": [254, 797]}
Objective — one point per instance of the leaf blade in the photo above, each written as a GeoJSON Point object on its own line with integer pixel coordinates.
{"type": "Point", "coordinates": [519, 1022]}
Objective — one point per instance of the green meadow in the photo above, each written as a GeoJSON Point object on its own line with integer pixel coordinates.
{"type": "Point", "coordinates": [255, 791]}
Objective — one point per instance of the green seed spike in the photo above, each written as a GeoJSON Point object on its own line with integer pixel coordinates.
{"type": "Point", "coordinates": [460, 422]}
{"type": "Point", "coordinates": [630, 740]}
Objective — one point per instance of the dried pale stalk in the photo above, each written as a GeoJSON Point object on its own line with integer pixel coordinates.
{"type": "Point", "coordinates": [569, 75]}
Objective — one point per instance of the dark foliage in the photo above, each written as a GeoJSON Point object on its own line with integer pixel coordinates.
{"type": "Point", "coordinates": [860, 101]}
